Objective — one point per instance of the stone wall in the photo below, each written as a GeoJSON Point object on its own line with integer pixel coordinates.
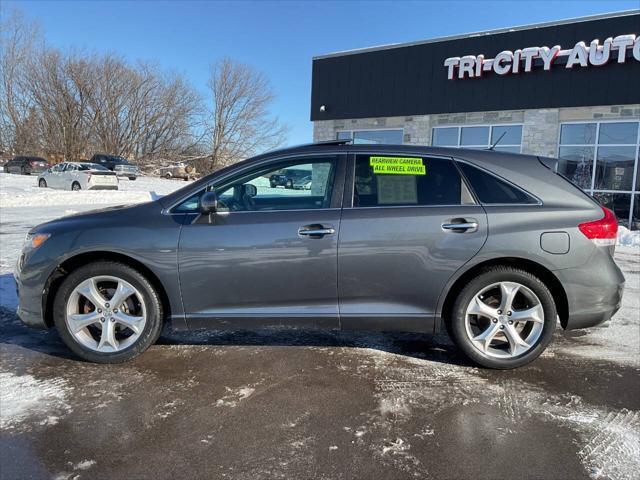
{"type": "Point", "coordinates": [539, 133]}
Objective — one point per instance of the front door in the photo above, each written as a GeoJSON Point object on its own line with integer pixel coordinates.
{"type": "Point", "coordinates": [269, 254]}
{"type": "Point", "coordinates": [409, 223]}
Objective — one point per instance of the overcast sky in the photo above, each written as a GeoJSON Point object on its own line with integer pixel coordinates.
{"type": "Point", "coordinates": [279, 38]}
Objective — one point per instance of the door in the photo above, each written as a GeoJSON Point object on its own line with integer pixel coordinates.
{"type": "Point", "coordinates": [409, 223]}
{"type": "Point", "coordinates": [269, 254]}
{"type": "Point", "coordinates": [54, 180]}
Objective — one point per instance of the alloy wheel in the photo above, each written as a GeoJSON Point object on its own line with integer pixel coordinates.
{"type": "Point", "coordinates": [504, 320]}
{"type": "Point", "coordinates": [106, 314]}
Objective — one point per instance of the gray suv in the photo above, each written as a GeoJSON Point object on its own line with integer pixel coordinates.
{"type": "Point", "coordinates": [495, 247]}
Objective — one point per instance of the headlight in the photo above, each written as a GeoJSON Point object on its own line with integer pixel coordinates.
{"type": "Point", "coordinates": [35, 240]}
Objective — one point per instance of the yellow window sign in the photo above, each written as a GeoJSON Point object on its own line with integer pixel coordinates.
{"type": "Point", "coordinates": [397, 166]}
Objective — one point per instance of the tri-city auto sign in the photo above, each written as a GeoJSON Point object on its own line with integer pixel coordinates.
{"type": "Point", "coordinates": [524, 60]}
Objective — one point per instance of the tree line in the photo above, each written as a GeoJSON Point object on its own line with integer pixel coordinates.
{"type": "Point", "coordinates": [69, 105]}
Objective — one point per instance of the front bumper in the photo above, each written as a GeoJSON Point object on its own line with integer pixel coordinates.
{"type": "Point", "coordinates": [29, 304]}
{"type": "Point", "coordinates": [594, 291]}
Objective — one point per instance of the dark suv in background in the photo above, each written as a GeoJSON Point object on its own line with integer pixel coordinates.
{"type": "Point", "coordinates": [26, 165]}
{"type": "Point", "coordinates": [115, 163]}
{"type": "Point", "coordinates": [495, 247]}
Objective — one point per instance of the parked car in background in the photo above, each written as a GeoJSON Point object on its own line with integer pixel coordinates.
{"type": "Point", "coordinates": [78, 176]}
{"type": "Point", "coordinates": [303, 183]}
{"type": "Point", "coordinates": [496, 247]}
{"type": "Point", "coordinates": [115, 163]}
{"type": "Point", "coordinates": [288, 177]}
{"type": "Point", "coordinates": [26, 165]}
{"type": "Point", "coordinates": [179, 170]}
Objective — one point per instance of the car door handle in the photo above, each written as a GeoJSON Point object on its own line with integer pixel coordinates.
{"type": "Point", "coordinates": [461, 227]}
{"type": "Point", "coordinates": [316, 231]}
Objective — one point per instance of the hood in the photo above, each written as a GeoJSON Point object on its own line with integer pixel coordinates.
{"type": "Point", "coordinates": [94, 217]}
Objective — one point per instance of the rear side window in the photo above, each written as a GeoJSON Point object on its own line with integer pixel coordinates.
{"type": "Point", "coordinates": [490, 189]}
{"type": "Point", "coordinates": [397, 180]}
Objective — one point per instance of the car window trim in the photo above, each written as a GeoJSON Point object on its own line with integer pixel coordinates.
{"type": "Point", "coordinates": [338, 181]}
{"type": "Point", "coordinates": [351, 178]}
{"type": "Point", "coordinates": [508, 182]}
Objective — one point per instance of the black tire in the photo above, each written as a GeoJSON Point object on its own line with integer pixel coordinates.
{"type": "Point", "coordinates": [167, 176]}
{"type": "Point", "coordinates": [132, 178]}
{"type": "Point", "coordinates": [272, 183]}
{"type": "Point", "coordinates": [456, 322]}
{"type": "Point", "coordinates": [42, 183]}
{"type": "Point", "coordinates": [153, 325]}
{"type": "Point", "coordinates": [75, 186]}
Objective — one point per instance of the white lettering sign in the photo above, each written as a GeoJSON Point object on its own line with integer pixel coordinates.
{"type": "Point", "coordinates": [522, 60]}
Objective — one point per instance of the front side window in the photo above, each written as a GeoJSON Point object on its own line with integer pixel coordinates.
{"type": "Point", "coordinates": [294, 185]}
{"type": "Point", "coordinates": [492, 190]}
{"type": "Point", "coordinates": [390, 180]}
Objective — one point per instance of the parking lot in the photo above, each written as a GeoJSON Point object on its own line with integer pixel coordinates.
{"type": "Point", "coordinates": [302, 404]}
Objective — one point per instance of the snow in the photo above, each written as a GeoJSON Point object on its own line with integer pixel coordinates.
{"type": "Point", "coordinates": [24, 396]}
{"type": "Point", "coordinates": [627, 238]}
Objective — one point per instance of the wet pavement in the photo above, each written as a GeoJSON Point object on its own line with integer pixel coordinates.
{"type": "Point", "coordinates": [301, 404]}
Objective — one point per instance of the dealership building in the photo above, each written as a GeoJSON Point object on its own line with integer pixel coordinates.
{"type": "Point", "coordinates": [568, 89]}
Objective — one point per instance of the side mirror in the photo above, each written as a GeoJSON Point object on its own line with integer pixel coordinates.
{"type": "Point", "coordinates": [250, 190]}
{"type": "Point", "coordinates": [208, 203]}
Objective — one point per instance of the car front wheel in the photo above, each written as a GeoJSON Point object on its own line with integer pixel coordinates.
{"type": "Point", "coordinates": [75, 186]}
{"type": "Point", "coordinates": [503, 318]}
{"type": "Point", "coordinates": [42, 183]}
{"type": "Point", "coordinates": [107, 312]}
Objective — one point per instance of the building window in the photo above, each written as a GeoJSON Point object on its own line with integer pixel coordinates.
{"type": "Point", "coordinates": [393, 137]}
{"type": "Point", "coordinates": [480, 136]}
{"type": "Point", "coordinates": [602, 158]}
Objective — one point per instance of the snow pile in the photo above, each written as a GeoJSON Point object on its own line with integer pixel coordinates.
{"type": "Point", "coordinates": [23, 191]}
{"type": "Point", "coordinates": [627, 238]}
{"type": "Point", "coordinates": [23, 396]}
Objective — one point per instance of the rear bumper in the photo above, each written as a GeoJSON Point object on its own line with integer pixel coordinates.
{"type": "Point", "coordinates": [594, 291]}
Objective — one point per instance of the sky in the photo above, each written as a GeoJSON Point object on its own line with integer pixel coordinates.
{"type": "Point", "coordinates": [278, 38]}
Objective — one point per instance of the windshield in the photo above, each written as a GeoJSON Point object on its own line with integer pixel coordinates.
{"type": "Point", "coordinates": [115, 159]}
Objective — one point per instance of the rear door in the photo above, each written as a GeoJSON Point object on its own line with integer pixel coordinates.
{"type": "Point", "coordinates": [408, 224]}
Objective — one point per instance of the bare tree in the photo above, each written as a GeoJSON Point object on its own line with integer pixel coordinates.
{"type": "Point", "coordinates": [239, 123]}
{"type": "Point", "coordinates": [18, 41]}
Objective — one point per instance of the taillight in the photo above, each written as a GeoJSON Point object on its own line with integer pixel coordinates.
{"type": "Point", "coordinates": [603, 231]}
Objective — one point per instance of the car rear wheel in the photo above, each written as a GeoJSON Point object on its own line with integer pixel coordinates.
{"type": "Point", "coordinates": [107, 312]}
{"type": "Point", "coordinates": [75, 186]}
{"type": "Point", "coordinates": [503, 318]}
{"type": "Point", "coordinates": [42, 183]}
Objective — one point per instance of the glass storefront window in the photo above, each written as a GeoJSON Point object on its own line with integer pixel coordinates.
{"type": "Point", "coordinates": [618, 133]}
{"type": "Point", "coordinates": [475, 136]}
{"type": "Point", "coordinates": [620, 203]}
{"type": "Point", "coordinates": [512, 134]}
{"type": "Point", "coordinates": [612, 149]}
{"type": "Point", "coordinates": [576, 164]}
{"type": "Point", "coordinates": [445, 137]}
{"type": "Point", "coordinates": [479, 137]}
{"type": "Point", "coordinates": [614, 168]}
{"type": "Point", "coordinates": [393, 137]}
{"type": "Point", "coordinates": [578, 134]}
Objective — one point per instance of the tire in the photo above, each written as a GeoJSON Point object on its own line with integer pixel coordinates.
{"type": "Point", "coordinates": [23, 171]}
{"type": "Point", "coordinates": [75, 186]}
{"type": "Point", "coordinates": [132, 178]}
{"type": "Point", "coordinates": [289, 184]}
{"type": "Point", "coordinates": [167, 176]}
{"type": "Point", "coordinates": [273, 184]}
{"type": "Point", "coordinates": [42, 183]}
{"type": "Point", "coordinates": [152, 304]}
{"type": "Point", "coordinates": [499, 352]}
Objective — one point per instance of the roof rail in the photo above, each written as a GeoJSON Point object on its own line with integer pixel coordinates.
{"type": "Point", "coordinates": [334, 142]}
